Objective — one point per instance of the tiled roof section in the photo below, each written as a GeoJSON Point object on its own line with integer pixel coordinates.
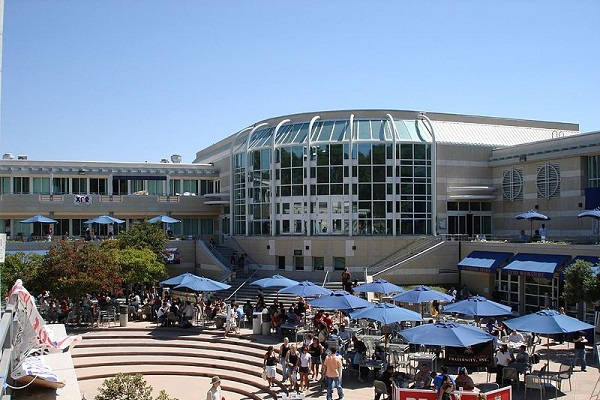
{"type": "Point", "coordinates": [493, 135]}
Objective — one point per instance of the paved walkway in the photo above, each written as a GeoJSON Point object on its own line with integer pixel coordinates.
{"type": "Point", "coordinates": [182, 361]}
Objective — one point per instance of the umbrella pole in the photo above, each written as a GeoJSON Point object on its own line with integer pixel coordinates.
{"type": "Point", "coordinates": [531, 230]}
{"type": "Point", "coordinates": [548, 356]}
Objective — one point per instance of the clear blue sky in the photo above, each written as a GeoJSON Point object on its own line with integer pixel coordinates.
{"type": "Point", "coordinates": [138, 80]}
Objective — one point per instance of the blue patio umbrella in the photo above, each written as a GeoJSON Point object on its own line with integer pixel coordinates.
{"type": "Point", "coordinates": [422, 294]}
{"type": "Point", "coordinates": [305, 289]}
{"type": "Point", "coordinates": [274, 281]}
{"type": "Point", "coordinates": [164, 219]}
{"type": "Point", "coordinates": [446, 334]}
{"type": "Point", "coordinates": [104, 220]}
{"type": "Point", "coordinates": [176, 280]}
{"type": "Point", "coordinates": [339, 300]}
{"type": "Point", "coordinates": [478, 306]}
{"type": "Point", "coordinates": [379, 286]}
{"type": "Point", "coordinates": [547, 322]}
{"type": "Point", "coordinates": [200, 284]}
{"type": "Point", "coordinates": [39, 218]}
{"type": "Point", "coordinates": [595, 213]}
{"type": "Point", "coordinates": [532, 215]}
{"type": "Point", "coordinates": [386, 314]}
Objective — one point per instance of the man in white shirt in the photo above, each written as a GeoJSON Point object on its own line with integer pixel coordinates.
{"type": "Point", "coordinates": [503, 358]}
{"type": "Point", "coordinates": [543, 232]}
{"type": "Point", "coordinates": [516, 337]}
{"type": "Point", "coordinates": [214, 393]}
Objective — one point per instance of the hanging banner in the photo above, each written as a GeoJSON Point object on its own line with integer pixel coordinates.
{"type": "Point", "coordinates": [32, 323]}
{"type": "Point", "coordinates": [473, 356]}
{"type": "Point", "coordinates": [82, 199]}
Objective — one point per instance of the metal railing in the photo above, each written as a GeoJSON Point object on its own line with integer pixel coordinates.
{"type": "Point", "coordinates": [405, 253]}
{"type": "Point", "coordinates": [325, 279]}
{"type": "Point", "coordinates": [234, 293]}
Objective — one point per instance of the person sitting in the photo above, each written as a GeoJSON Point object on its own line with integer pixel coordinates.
{"type": "Point", "coordinates": [188, 314]}
{"type": "Point", "coordinates": [422, 378]}
{"type": "Point", "coordinates": [162, 313]}
{"type": "Point", "coordinates": [503, 359]}
{"type": "Point", "coordinates": [441, 378]}
{"type": "Point", "coordinates": [386, 377]}
{"type": "Point", "coordinates": [516, 337]}
{"type": "Point", "coordinates": [327, 321]}
{"type": "Point", "coordinates": [463, 380]}
{"type": "Point", "coordinates": [446, 389]}
{"type": "Point", "coordinates": [522, 237]}
{"type": "Point", "coordinates": [521, 363]}
{"type": "Point", "coordinates": [344, 335]}
{"type": "Point", "coordinates": [536, 236]}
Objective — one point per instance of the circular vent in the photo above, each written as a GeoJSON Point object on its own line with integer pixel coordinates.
{"type": "Point", "coordinates": [548, 181]}
{"type": "Point", "coordinates": [512, 184]}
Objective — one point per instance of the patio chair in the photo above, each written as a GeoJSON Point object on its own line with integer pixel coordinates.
{"type": "Point", "coordinates": [535, 383]}
{"type": "Point", "coordinates": [488, 387]}
{"type": "Point", "coordinates": [380, 388]}
{"type": "Point", "coordinates": [564, 373]}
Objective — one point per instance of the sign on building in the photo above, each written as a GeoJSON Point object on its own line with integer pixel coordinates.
{"type": "Point", "coordinates": [82, 199]}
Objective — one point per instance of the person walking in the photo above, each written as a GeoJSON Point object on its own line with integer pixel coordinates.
{"type": "Point", "coordinates": [347, 280]}
{"type": "Point", "coordinates": [580, 342]}
{"type": "Point", "coordinates": [332, 371]}
{"type": "Point", "coordinates": [293, 362]}
{"type": "Point", "coordinates": [214, 393]}
{"type": "Point", "coordinates": [283, 350]}
{"type": "Point", "coordinates": [270, 365]}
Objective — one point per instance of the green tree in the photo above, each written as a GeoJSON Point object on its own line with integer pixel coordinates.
{"type": "Point", "coordinates": [72, 269]}
{"type": "Point", "coordinates": [20, 266]}
{"type": "Point", "coordinates": [125, 387]}
{"type": "Point", "coordinates": [140, 266]}
{"type": "Point", "coordinates": [144, 235]}
{"type": "Point", "coordinates": [128, 387]}
{"type": "Point", "coordinates": [580, 283]}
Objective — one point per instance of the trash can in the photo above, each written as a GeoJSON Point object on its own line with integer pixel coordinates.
{"type": "Point", "coordinates": [256, 323]}
{"type": "Point", "coordinates": [266, 328]}
{"type": "Point", "coordinates": [123, 315]}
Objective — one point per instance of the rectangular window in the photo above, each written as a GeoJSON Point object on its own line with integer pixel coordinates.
{"type": "Point", "coordinates": [79, 185]}
{"type": "Point", "coordinates": [174, 187]}
{"type": "Point", "coordinates": [21, 185]}
{"type": "Point", "coordinates": [322, 207]}
{"type": "Point", "coordinates": [60, 185]}
{"type": "Point", "coordinates": [41, 185]}
{"type": "Point", "coordinates": [98, 186]}
{"type": "Point", "coordinates": [297, 226]}
{"type": "Point", "coordinates": [318, 263]}
{"type": "Point", "coordinates": [136, 186]}
{"type": "Point", "coordinates": [299, 263]}
{"type": "Point", "coordinates": [120, 186]}
{"type": "Point", "coordinates": [155, 188]}
{"type": "Point", "coordinates": [339, 263]}
{"type": "Point", "coordinates": [206, 227]}
{"type": "Point", "coordinates": [190, 186]}
{"type": "Point", "coordinates": [285, 226]}
{"type": "Point", "coordinates": [4, 184]}
{"type": "Point", "coordinates": [281, 262]}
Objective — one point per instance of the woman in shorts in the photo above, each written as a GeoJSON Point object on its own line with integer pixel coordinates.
{"type": "Point", "coordinates": [305, 365]}
{"type": "Point", "coordinates": [316, 351]}
{"type": "Point", "coordinates": [293, 362]}
{"type": "Point", "coordinates": [270, 364]}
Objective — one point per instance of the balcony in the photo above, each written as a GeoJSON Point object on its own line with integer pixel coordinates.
{"type": "Point", "coordinates": [21, 205]}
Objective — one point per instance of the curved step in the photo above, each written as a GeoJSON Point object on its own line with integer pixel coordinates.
{"type": "Point", "coordinates": [90, 350]}
{"type": "Point", "coordinates": [229, 377]}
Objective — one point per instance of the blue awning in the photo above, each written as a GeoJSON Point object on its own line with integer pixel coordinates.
{"type": "Point", "coordinates": [483, 261]}
{"type": "Point", "coordinates": [539, 265]}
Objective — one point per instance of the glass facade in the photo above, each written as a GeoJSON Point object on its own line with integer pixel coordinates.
{"type": "Point", "coordinates": [334, 177]}
{"type": "Point", "coordinates": [593, 171]}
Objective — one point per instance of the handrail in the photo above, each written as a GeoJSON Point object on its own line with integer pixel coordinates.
{"type": "Point", "coordinates": [249, 259]}
{"type": "Point", "coordinates": [228, 271]}
{"type": "Point", "coordinates": [407, 259]}
{"type": "Point", "coordinates": [405, 253]}
{"type": "Point", "coordinates": [325, 279]}
{"type": "Point", "coordinates": [243, 283]}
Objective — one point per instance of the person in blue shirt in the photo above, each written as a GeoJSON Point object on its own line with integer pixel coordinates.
{"type": "Point", "coordinates": [439, 378]}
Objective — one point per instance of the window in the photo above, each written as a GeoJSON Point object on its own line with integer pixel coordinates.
{"type": "Point", "coordinates": [155, 188]}
{"type": "Point", "coordinates": [548, 181]}
{"type": "Point", "coordinates": [21, 185]}
{"type": "Point", "coordinates": [120, 186]}
{"type": "Point", "coordinates": [79, 185]}
{"type": "Point", "coordinates": [339, 263]}
{"type": "Point", "coordinates": [281, 262]}
{"type": "Point", "coordinates": [98, 186]}
{"type": "Point", "coordinates": [206, 227]}
{"type": "Point", "coordinates": [136, 186]}
{"type": "Point", "coordinates": [190, 186]}
{"type": "Point", "coordinates": [174, 187]}
{"type": "Point", "coordinates": [512, 184]}
{"type": "Point", "coordinates": [4, 184]}
{"type": "Point", "coordinates": [60, 185]}
{"type": "Point", "coordinates": [299, 263]}
{"type": "Point", "coordinates": [593, 171]}
{"type": "Point", "coordinates": [318, 263]}
{"type": "Point", "coordinates": [41, 185]}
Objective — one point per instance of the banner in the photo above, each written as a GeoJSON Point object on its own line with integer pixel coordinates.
{"type": "Point", "coordinates": [32, 324]}
{"type": "Point", "coordinates": [82, 199]}
{"type": "Point", "coordinates": [504, 393]}
{"type": "Point", "coordinates": [2, 246]}
{"type": "Point", "coordinates": [472, 356]}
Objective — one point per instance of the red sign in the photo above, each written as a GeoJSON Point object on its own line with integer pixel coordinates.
{"type": "Point", "coordinates": [422, 394]}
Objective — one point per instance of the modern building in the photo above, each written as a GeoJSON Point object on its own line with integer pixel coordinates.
{"type": "Point", "coordinates": [403, 195]}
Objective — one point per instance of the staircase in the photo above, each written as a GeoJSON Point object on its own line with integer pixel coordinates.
{"type": "Point", "coordinates": [414, 249]}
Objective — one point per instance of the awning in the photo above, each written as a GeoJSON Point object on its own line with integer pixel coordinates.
{"type": "Point", "coordinates": [483, 261]}
{"type": "Point", "coordinates": [539, 265]}
{"type": "Point", "coordinates": [141, 177]}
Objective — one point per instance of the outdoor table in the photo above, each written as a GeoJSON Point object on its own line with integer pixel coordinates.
{"type": "Point", "coordinates": [371, 338]}
{"type": "Point", "coordinates": [289, 331]}
{"type": "Point", "coordinates": [428, 358]}
{"type": "Point", "coordinates": [512, 345]}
